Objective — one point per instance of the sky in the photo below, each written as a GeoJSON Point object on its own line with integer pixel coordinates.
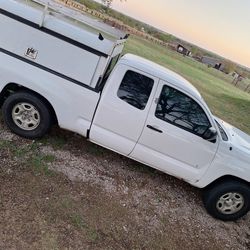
{"type": "Point", "coordinates": [221, 26]}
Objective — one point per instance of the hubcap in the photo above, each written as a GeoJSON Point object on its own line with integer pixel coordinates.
{"type": "Point", "coordinates": [230, 203]}
{"type": "Point", "coordinates": [26, 116]}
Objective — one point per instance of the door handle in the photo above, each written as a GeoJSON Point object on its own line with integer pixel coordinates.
{"type": "Point", "coordinates": [154, 128]}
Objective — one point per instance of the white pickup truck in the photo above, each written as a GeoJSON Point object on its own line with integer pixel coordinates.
{"type": "Point", "coordinates": [57, 65]}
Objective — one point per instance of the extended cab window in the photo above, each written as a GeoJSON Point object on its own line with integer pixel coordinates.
{"type": "Point", "coordinates": [110, 68]}
{"type": "Point", "coordinates": [182, 111]}
{"type": "Point", "coordinates": [135, 89]}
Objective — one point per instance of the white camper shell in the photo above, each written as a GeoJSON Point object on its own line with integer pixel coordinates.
{"type": "Point", "coordinates": [64, 41]}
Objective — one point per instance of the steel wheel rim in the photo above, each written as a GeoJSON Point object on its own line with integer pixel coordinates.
{"type": "Point", "coordinates": [26, 116]}
{"type": "Point", "coordinates": [230, 203]}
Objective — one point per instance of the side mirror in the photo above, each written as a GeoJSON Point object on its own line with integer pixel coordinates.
{"type": "Point", "coordinates": [210, 134]}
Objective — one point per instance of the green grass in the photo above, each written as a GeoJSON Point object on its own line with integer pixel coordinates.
{"type": "Point", "coordinates": [39, 164]}
{"type": "Point", "coordinates": [56, 141]}
{"type": "Point", "coordinates": [29, 155]}
{"type": "Point", "coordinates": [225, 100]}
{"type": "Point", "coordinates": [71, 211]}
{"type": "Point", "coordinates": [77, 221]}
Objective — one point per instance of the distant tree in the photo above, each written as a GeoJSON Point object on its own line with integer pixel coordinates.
{"type": "Point", "coordinates": [196, 52]}
{"type": "Point", "coordinates": [91, 4]}
{"type": "Point", "coordinates": [108, 3]}
{"type": "Point", "coordinates": [229, 66]}
{"type": "Point", "coordinates": [163, 37]}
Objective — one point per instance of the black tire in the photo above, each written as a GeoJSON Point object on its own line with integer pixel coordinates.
{"type": "Point", "coordinates": [45, 117]}
{"type": "Point", "coordinates": [213, 204]}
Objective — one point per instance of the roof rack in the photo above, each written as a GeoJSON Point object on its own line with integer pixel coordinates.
{"type": "Point", "coordinates": [53, 7]}
{"type": "Point", "coordinates": [50, 5]}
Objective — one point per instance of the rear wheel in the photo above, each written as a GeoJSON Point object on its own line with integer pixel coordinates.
{"type": "Point", "coordinates": [227, 201]}
{"type": "Point", "coordinates": [26, 115]}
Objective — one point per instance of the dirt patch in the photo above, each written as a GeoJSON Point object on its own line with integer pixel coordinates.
{"type": "Point", "coordinates": [63, 192]}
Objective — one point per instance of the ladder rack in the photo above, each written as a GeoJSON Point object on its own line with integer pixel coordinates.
{"type": "Point", "coordinates": [51, 7]}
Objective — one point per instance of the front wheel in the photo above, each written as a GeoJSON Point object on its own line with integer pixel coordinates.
{"type": "Point", "coordinates": [26, 115]}
{"type": "Point", "coordinates": [227, 201]}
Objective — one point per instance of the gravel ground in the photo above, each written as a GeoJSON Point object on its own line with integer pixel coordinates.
{"type": "Point", "coordinates": [155, 211]}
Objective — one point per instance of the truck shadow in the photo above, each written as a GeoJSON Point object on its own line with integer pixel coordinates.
{"type": "Point", "coordinates": [121, 168]}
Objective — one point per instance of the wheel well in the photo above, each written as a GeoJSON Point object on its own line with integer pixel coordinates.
{"type": "Point", "coordinates": [226, 178]}
{"type": "Point", "coordinates": [14, 87]}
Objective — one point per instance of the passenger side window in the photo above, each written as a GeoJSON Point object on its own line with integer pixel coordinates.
{"type": "Point", "coordinates": [182, 111]}
{"type": "Point", "coordinates": [135, 89]}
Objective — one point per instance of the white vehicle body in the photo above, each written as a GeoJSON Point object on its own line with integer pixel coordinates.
{"type": "Point", "coordinates": [63, 63]}
{"type": "Point", "coordinates": [65, 53]}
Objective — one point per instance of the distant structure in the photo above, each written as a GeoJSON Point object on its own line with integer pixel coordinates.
{"type": "Point", "coordinates": [237, 77]}
{"type": "Point", "coordinates": [180, 48]}
{"type": "Point", "coordinates": [213, 62]}
{"type": "Point", "coordinates": [184, 50]}
{"type": "Point", "coordinates": [235, 74]}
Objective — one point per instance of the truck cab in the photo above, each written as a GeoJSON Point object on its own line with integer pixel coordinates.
{"type": "Point", "coordinates": [155, 116]}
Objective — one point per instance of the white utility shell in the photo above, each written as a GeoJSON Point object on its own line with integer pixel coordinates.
{"type": "Point", "coordinates": [79, 50]}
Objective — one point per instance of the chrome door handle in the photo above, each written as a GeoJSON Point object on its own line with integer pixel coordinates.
{"type": "Point", "coordinates": [154, 128]}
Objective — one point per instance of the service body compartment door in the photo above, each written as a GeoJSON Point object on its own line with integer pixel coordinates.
{"type": "Point", "coordinates": [50, 53]}
{"type": "Point", "coordinates": [123, 109]}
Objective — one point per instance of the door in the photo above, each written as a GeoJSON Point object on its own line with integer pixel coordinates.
{"type": "Point", "coordinates": [123, 108]}
{"type": "Point", "coordinates": [172, 136]}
